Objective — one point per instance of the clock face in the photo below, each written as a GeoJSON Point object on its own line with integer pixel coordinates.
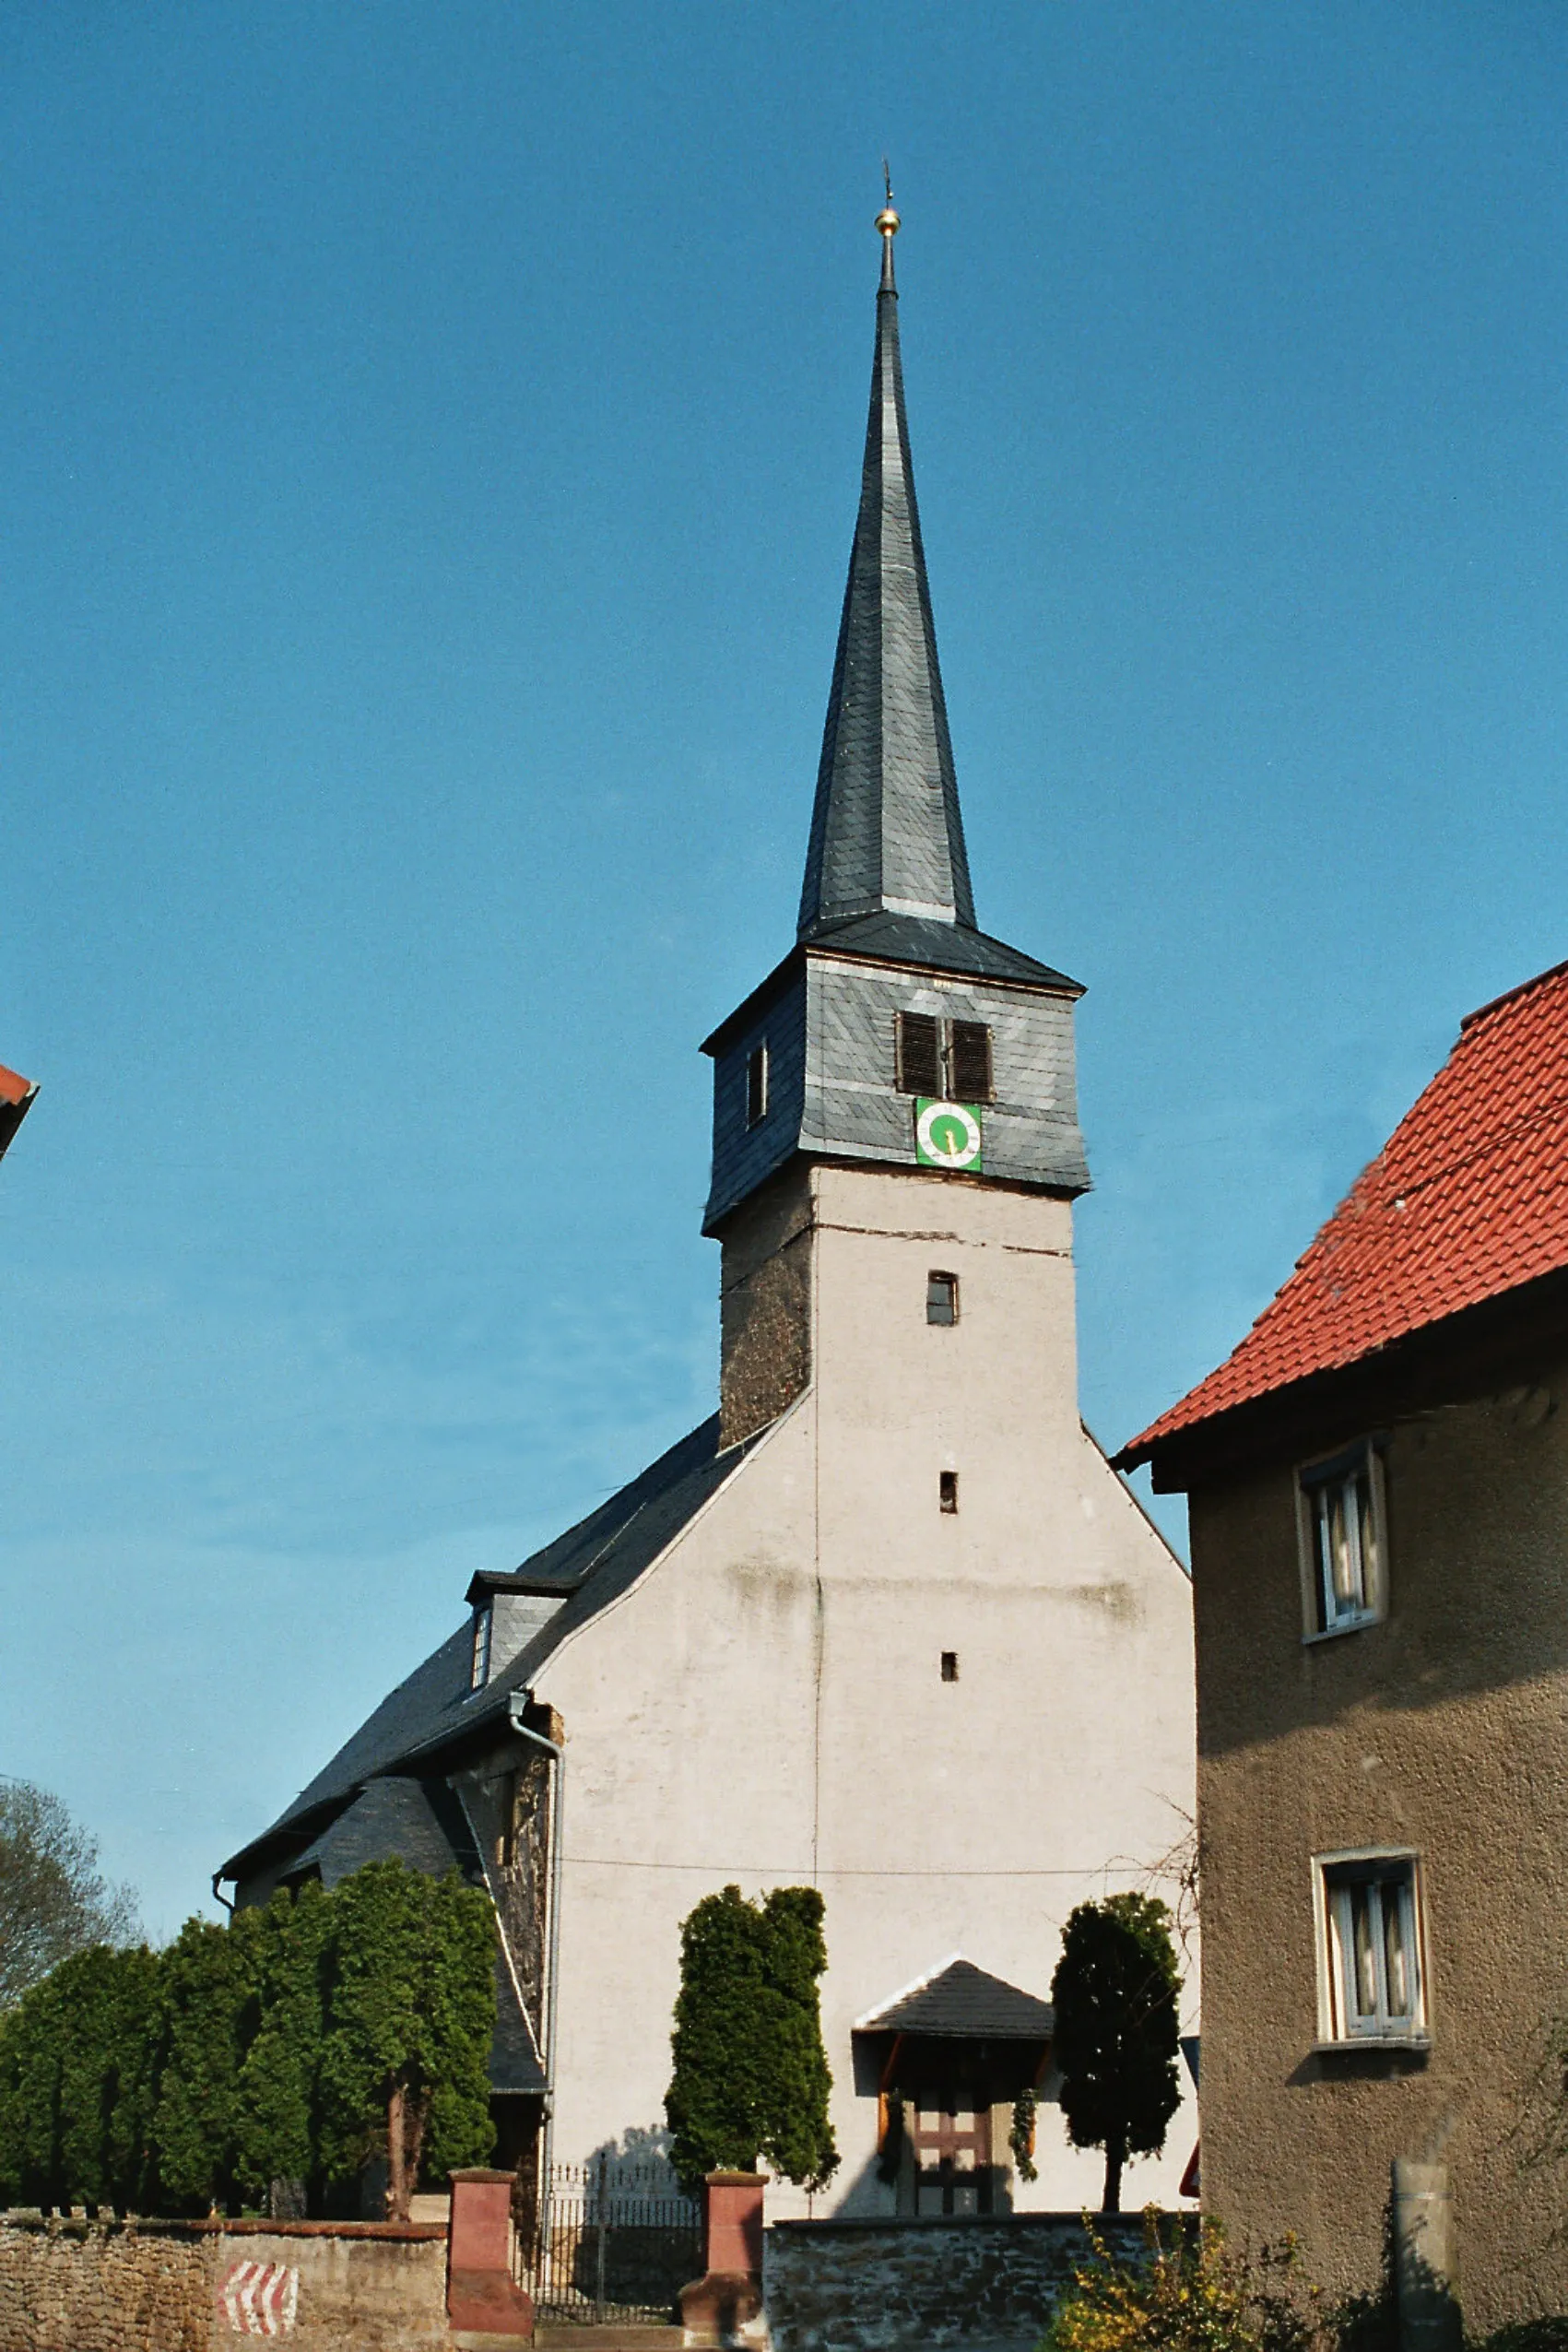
{"type": "Point", "coordinates": [948, 1135]}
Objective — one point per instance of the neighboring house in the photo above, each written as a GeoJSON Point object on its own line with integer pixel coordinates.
{"type": "Point", "coordinates": [886, 1623]}
{"type": "Point", "coordinates": [16, 1101]}
{"type": "Point", "coordinates": [1378, 1487]}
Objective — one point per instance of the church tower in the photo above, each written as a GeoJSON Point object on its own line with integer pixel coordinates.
{"type": "Point", "coordinates": [887, 1623]}
{"type": "Point", "coordinates": [896, 1035]}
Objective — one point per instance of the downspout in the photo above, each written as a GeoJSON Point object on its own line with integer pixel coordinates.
{"type": "Point", "coordinates": [216, 1877]}
{"type": "Point", "coordinates": [516, 1703]}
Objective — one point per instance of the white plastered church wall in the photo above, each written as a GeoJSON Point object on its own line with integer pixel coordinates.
{"type": "Point", "coordinates": [766, 1706]}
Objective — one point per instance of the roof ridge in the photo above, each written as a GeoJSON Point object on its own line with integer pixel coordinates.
{"type": "Point", "coordinates": [1520, 988]}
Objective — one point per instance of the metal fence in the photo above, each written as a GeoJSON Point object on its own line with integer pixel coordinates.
{"type": "Point", "coordinates": [612, 2242]}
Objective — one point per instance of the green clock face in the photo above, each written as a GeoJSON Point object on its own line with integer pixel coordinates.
{"type": "Point", "coordinates": [948, 1135]}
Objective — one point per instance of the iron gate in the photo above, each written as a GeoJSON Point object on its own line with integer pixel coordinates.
{"type": "Point", "coordinates": [613, 2241]}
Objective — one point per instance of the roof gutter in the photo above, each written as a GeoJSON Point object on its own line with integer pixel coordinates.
{"type": "Point", "coordinates": [516, 1705]}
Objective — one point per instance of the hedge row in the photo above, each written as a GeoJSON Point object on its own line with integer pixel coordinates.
{"type": "Point", "coordinates": [261, 2063]}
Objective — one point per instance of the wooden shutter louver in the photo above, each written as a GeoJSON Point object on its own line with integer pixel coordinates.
{"type": "Point", "coordinates": [919, 1054]}
{"type": "Point", "coordinates": [971, 1059]}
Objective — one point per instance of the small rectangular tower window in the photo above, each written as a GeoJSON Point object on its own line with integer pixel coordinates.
{"type": "Point", "coordinates": [919, 1053]}
{"type": "Point", "coordinates": [950, 1665]}
{"type": "Point", "coordinates": [947, 1490]}
{"type": "Point", "coordinates": [969, 1062]}
{"type": "Point", "coordinates": [942, 1298]}
{"type": "Point", "coordinates": [757, 1085]}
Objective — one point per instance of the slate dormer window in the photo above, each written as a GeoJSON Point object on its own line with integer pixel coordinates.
{"type": "Point", "coordinates": [943, 1058]}
{"type": "Point", "coordinates": [757, 1085]}
{"type": "Point", "coordinates": [479, 1673]}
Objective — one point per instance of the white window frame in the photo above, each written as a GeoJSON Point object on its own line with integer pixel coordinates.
{"type": "Point", "coordinates": [1335, 1477]}
{"type": "Point", "coordinates": [1386, 1877]}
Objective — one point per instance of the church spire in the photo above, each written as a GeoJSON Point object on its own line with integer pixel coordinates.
{"type": "Point", "coordinates": [886, 832]}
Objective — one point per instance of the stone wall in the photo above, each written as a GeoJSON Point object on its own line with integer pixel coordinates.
{"type": "Point", "coordinates": [894, 2286]}
{"type": "Point", "coordinates": [75, 2286]}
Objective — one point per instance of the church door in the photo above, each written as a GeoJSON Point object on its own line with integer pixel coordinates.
{"type": "Point", "coordinates": [952, 2153]}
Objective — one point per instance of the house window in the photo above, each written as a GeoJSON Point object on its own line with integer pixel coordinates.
{"type": "Point", "coordinates": [919, 1041]}
{"type": "Point", "coordinates": [480, 1669]}
{"type": "Point", "coordinates": [969, 1061]}
{"type": "Point", "coordinates": [950, 1665]}
{"type": "Point", "coordinates": [757, 1085]}
{"type": "Point", "coordinates": [947, 1490]}
{"type": "Point", "coordinates": [1373, 1982]}
{"type": "Point", "coordinates": [943, 1058]}
{"type": "Point", "coordinates": [942, 1298]}
{"type": "Point", "coordinates": [1344, 1544]}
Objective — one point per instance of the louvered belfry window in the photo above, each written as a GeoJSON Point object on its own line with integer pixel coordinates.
{"type": "Point", "coordinates": [969, 1062]}
{"type": "Point", "coordinates": [944, 1058]}
{"type": "Point", "coordinates": [919, 1053]}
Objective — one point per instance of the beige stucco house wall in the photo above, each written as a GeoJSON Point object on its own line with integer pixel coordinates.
{"type": "Point", "coordinates": [766, 1705]}
{"type": "Point", "coordinates": [1442, 1731]}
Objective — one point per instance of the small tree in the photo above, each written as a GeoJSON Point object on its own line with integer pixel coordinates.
{"type": "Point", "coordinates": [209, 1982]}
{"type": "Point", "coordinates": [1114, 1992]}
{"type": "Point", "coordinates": [750, 2075]}
{"type": "Point", "coordinates": [54, 1898]}
{"type": "Point", "coordinates": [410, 2016]}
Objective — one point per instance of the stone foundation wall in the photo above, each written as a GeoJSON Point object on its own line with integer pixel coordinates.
{"type": "Point", "coordinates": [892, 2286]}
{"type": "Point", "coordinates": [78, 2286]}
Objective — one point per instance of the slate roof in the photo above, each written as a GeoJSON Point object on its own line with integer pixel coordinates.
{"type": "Point", "coordinates": [419, 1822]}
{"type": "Point", "coordinates": [963, 2002]}
{"type": "Point", "coordinates": [1467, 1200]}
{"type": "Point", "coordinates": [886, 829]}
{"type": "Point", "coordinates": [16, 1100]}
{"type": "Point", "coordinates": [596, 1561]}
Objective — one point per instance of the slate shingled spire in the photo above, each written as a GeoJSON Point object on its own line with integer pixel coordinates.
{"type": "Point", "coordinates": [886, 832]}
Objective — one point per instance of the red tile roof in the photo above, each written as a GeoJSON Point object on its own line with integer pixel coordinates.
{"type": "Point", "coordinates": [16, 1099]}
{"type": "Point", "coordinates": [1468, 1199]}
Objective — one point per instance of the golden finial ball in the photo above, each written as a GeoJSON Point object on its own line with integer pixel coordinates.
{"type": "Point", "coordinates": [887, 221]}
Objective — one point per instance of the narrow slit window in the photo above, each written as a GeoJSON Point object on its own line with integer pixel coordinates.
{"type": "Point", "coordinates": [757, 1085]}
{"type": "Point", "coordinates": [969, 1062]}
{"type": "Point", "coordinates": [942, 1298]}
{"type": "Point", "coordinates": [947, 1490]}
{"type": "Point", "coordinates": [950, 1665]}
{"type": "Point", "coordinates": [919, 1053]}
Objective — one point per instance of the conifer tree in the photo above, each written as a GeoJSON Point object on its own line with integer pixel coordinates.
{"type": "Point", "coordinates": [410, 2016]}
{"type": "Point", "coordinates": [1115, 1992]}
{"type": "Point", "coordinates": [750, 2075]}
{"type": "Point", "coordinates": [210, 1979]}
{"type": "Point", "coordinates": [108, 2014]}
{"type": "Point", "coordinates": [276, 2123]}
{"type": "Point", "coordinates": [31, 2042]}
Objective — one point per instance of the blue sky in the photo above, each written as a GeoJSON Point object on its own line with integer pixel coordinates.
{"type": "Point", "coordinates": [430, 438]}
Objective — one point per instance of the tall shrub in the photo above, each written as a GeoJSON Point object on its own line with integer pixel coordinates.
{"type": "Point", "coordinates": [77, 2057]}
{"type": "Point", "coordinates": [209, 1985]}
{"type": "Point", "coordinates": [410, 2015]}
{"type": "Point", "coordinates": [276, 2138]}
{"type": "Point", "coordinates": [749, 2075]}
{"type": "Point", "coordinates": [1114, 1992]}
